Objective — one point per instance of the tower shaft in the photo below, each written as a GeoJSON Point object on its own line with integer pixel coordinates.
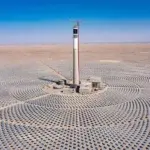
{"type": "Point", "coordinates": [76, 78]}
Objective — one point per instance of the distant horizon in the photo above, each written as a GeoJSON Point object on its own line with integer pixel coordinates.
{"type": "Point", "coordinates": [34, 44]}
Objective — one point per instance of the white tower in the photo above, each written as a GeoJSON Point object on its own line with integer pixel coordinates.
{"type": "Point", "coordinates": [76, 78]}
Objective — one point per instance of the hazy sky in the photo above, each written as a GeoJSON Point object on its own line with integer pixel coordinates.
{"type": "Point", "coordinates": [50, 21]}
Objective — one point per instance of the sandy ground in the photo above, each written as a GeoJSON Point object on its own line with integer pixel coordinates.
{"type": "Point", "coordinates": [88, 52]}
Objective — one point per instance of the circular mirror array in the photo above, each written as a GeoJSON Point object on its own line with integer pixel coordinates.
{"type": "Point", "coordinates": [118, 118]}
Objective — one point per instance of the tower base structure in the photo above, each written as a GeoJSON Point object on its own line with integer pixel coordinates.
{"type": "Point", "coordinates": [88, 86]}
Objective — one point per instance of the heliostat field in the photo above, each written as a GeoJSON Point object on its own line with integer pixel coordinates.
{"type": "Point", "coordinates": [117, 118]}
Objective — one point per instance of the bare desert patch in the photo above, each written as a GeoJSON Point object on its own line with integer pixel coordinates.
{"type": "Point", "coordinates": [88, 52]}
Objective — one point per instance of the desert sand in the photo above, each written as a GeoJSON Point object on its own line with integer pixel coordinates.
{"type": "Point", "coordinates": [88, 52]}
